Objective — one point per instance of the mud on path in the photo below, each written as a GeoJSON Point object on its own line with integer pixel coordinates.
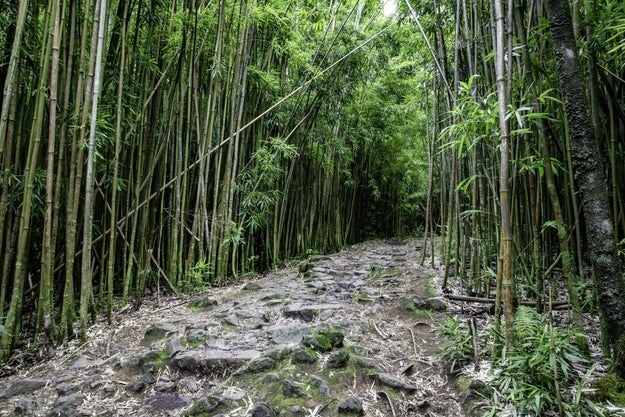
{"type": "Point", "coordinates": [349, 333]}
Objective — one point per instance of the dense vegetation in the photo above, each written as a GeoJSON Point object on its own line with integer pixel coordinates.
{"type": "Point", "coordinates": [176, 144]}
{"type": "Point", "coordinates": [151, 143]}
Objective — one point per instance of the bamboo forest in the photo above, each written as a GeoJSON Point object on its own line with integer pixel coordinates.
{"type": "Point", "coordinates": [190, 144]}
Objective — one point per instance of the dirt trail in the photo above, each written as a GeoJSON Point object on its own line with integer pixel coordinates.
{"type": "Point", "coordinates": [346, 333]}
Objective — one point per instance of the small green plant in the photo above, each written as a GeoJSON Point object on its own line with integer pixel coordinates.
{"type": "Point", "coordinates": [360, 296]}
{"type": "Point", "coordinates": [456, 347]}
{"type": "Point", "coordinates": [198, 277]}
{"type": "Point", "coordinates": [537, 375]}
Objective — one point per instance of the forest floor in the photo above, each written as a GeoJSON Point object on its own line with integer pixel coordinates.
{"type": "Point", "coordinates": [351, 332]}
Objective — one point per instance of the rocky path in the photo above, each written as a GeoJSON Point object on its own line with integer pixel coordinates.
{"type": "Point", "coordinates": [343, 334]}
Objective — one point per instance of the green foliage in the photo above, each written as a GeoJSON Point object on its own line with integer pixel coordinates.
{"type": "Point", "coordinates": [611, 387]}
{"type": "Point", "coordinates": [537, 376]}
{"type": "Point", "coordinates": [476, 120]}
{"type": "Point", "coordinates": [198, 277]}
{"type": "Point", "coordinates": [455, 339]}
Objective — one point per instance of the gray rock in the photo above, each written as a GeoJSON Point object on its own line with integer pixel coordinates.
{"type": "Point", "coordinates": [191, 385]}
{"type": "Point", "coordinates": [252, 286]}
{"type": "Point", "coordinates": [157, 332]}
{"type": "Point", "coordinates": [165, 386]}
{"type": "Point", "coordinates": [289, 335]}
{"type": "Point", "coordinates": [174, 345]}
{"type": "Point", "coordinates": [292, 390]}
{"type": "Point", "coordinates": [203, 406]}
{"type": "Point", "coordinates": [271, 377]}
{"type": "Point", "coordinates": [263, 410]}
{"type": "Point", "coordinates": [324, 340]}
{"type": "Point", "coordinates": [307, 312]}
{"type": "Point", "coordinates": [351, 405]}
{"type": "Point", "coordinates": [25, 407]}
{"type": "Point", "coordinates": [264, 363]}
{"type": "Point", "coordinates": [216, 343]}
{"type": "Point", "coordinates": [23, 386]}
{"type": "Point", "coordinates": [65, 388]}
{"type": "Point", "coordinates": [206, 361]}
{"type": "Point", "coordinates": [81, 362]}
{"type": "Point", "coordinates": [320, 384]}
{"type": "Point", "coordinates": [166, 401]}
{"type": "Point", "coordinates": [302, 356]}
{"type": "Point", "coordinates": [395, 382]}
{"type": "Point", "coordinates": [231, 319]}
{"type": "Point", "coordinates": [338, 360]}
{"type": "Point", "coordinates": [65, 406]}
{"type": "Point", "coordinates": [203, 302]}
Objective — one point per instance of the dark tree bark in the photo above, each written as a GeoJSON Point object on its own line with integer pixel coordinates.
{"type": "Point", "coordinates": [591, 182]}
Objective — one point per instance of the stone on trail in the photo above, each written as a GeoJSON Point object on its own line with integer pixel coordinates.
{"type": "Point", "coordinates": [166, 401]}
{"type": "Point", "coordinates": [203, 406]}
{"type": "Point", "coordinates": [352, 405]}
{"type": "Point", "coordinates": [261, 364]}
{"type": "Point", "coordinates": [338, 360]}
{"type": "Point", "coordinates": [231, 319]}
{"type": "Point", "coordinates": [207, 361]}
{"type": "Point", "coordinates": [157, 332]}
{"type": "Point", "coordinates": [308, 312]}
{"type": "Point", "coordinates": [25, 407]}
{"type": "Point", "coordinates": [288, 335]}
{"type": "Point", "coordinates": [203, 302]}
{"type": "Point", "coordinates": [431, 304]}
{"type": "Point", "coordinates": [263, 410]}
{"type": "Point", "coordinates": [252, 286]}
{"type": "Point", "coordinates": [65, 406]}
{"type": "Point", "coordinates": [292, 389]}
{"type": "Point", "coordinates": [395, 382]}
{"type": "Point", "coordinates": [302, 356]}
{"type": "Point", "coordinates": [23, 386]}
{"type": "Point", "coordinates": [324, 341]}
{"type": "Point", "coordinates": [320, 384]}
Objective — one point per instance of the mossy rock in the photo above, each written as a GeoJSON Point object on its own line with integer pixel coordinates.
{"type": "Point", "coordinates": [473, 391]}
{"type": "Point", "coordinates": [324, 340]}
{"type": "Point", "coordinates": [204, 407]}
{"type": "Point", "coordinates": [611, 387]}
{"type": "Point", "coordinates": [202, 303]}
{"type": "Point", "coordinates": [338, 360]}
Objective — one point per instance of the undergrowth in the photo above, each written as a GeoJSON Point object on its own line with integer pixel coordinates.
{"type": "Point", "coordinates": [544, 372]}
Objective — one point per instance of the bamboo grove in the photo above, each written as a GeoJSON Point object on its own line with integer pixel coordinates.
{"type": "Point", "coordinates": [160, 145]}
{"type": "Point", "coordinates": [147, 143]}
{"type": "Point", "coordinates": [528, 155]}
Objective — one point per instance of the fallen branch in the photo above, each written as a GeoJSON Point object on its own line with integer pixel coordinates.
{"type": "Point", "coordinates": [492, 300]}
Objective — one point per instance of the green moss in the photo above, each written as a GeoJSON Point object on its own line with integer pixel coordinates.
{"type": "Point", "coordinates": [154, 361]}
{"type": "Point", "coordinates": [324, 340]}
{"type": "Point", "coordinates": [378, 272]}
{"type": "Point", "coordinates": [205, 407]}
{"type": "Point", "coordinates": [418, 312]}
{"type": "Point", "coordinates": [431, 290]}
{"type": "Point", "coordinates": [611, 387]}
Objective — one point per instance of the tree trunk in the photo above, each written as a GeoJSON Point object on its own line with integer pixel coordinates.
{"type": "Point", "coordinates": [591, 182]}
{"type": "Point", "coordinates": [505, 244]}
